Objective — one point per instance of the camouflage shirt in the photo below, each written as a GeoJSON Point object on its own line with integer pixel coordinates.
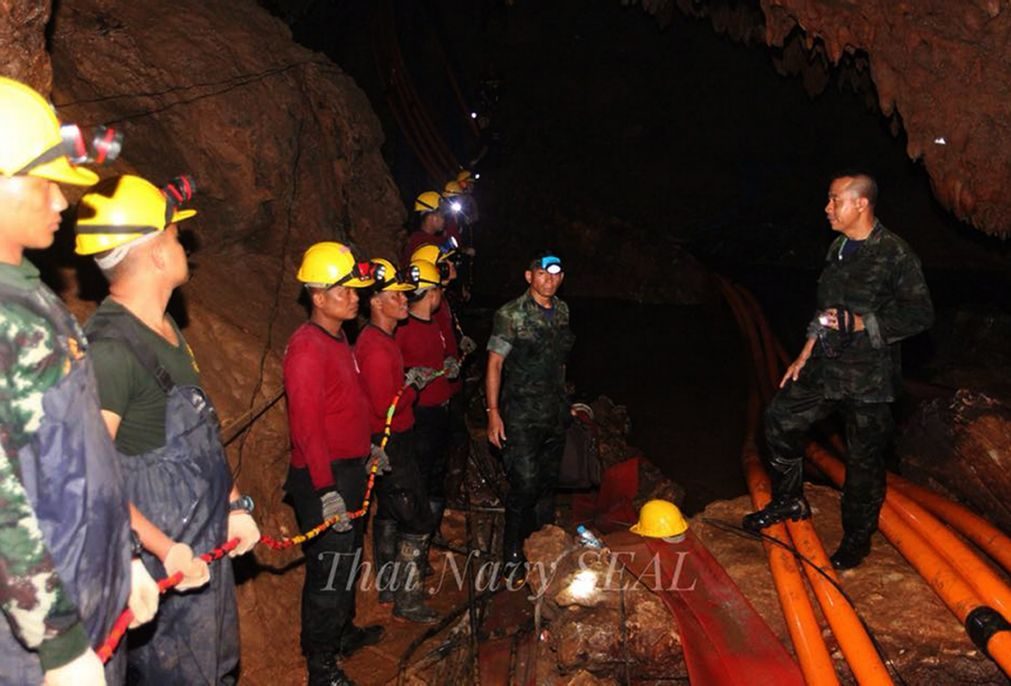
{"type": "Point", "coordinates": [535, 343]}
{"type": "Point", "coordinates": [32, 360]}
{"type": "Point", "coordinates": [882, 282]}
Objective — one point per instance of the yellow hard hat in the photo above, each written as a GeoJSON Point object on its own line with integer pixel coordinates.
{"type": "Point", "coordinates": [424, 274]}
{"type": "Point", "coordinates": [30, 139]}
{"type": "Point", "coordinates": [465, 179]}
{"type": "Point", "coordinates": [427, 202]}
{"type": "Point", "coordinates": [660, 519]}
{"type": "Point", "coordinates": [121, 209]}
{"type": "Point", "coordinates": [330, 263]}
{"type": "Point", "coordinates": [388, 278]}
{"type": "Point", "coordinates": [436, 255]}
{"type": "Point", "coordinates": [452, 188]}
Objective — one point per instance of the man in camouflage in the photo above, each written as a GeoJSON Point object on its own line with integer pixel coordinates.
{"type": "Point", "coordinates": [65, 568]}
{"type": "Point", "coordinates": [527, 406]}
{"type": "Point", "coordinates": [871, 295]}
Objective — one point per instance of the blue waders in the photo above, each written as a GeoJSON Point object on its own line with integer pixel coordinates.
{"type": "Point", "coordinates": [72, 478]}
{"type": "Point", "coordinates": [183, 489]}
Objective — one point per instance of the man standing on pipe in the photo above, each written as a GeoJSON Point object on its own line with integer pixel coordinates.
{"type": "Point", "coordinates": [527, 406]}
{"type": "Point", "coordinates": [183, 501]}
{"type": "Point", "coordinates": [871, 295]}
{"type": "Point", "coordinates": [65, 544]}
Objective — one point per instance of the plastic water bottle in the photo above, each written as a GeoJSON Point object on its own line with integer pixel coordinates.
{"type": "Point", "coordinates": [587, 538]}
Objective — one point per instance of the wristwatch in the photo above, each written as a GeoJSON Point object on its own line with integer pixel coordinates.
{"type": "Point", "coordinates": [136, 548]}
{"type": "Point", "coordinates": [243, 503]}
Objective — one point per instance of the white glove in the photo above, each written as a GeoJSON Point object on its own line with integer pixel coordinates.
{"type": "Point", "coordinates": [180, 558]}
{"type": "Point", "coordinates": [419, 377]}
{"type": "Point", "coordinates": [379, 458]}
{"type": "Point", "coordinates": [143, 600]}
{"type": "Point", "coordinates": [467, 345]}
{"type": "Point", "coordinates": [84, 669]}
{"type": "Point", "coordinates": [333, 506]}
{"type": "Point", "coordinates": [452, 367]}
{"type": "Point", "coordinates": [242, 526]}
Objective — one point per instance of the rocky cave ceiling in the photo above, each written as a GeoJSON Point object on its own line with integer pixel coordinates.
{"type": "Point", "coordinates": [940, 69]}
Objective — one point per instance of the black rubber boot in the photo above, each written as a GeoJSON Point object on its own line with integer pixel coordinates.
{"type": "Point", "coordinates": [409, 598]}
{"type": "Point", "coordinates": [325, 671]}
{"type": "Point", "coordinates": [514, 563]}
{"type": "Point", "coordinates": [851, 552]}
{"type": "Point", "coordinates": [780, 509]}
{"type": "Point", "coordinates": [438, 508]}
{"type": "Point", "coordinates": [354, 638]}
{"type": "Point", "coordinates": [384, 553]}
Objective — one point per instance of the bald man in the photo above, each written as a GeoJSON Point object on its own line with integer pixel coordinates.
{"type": "Point", "coordinates": [871, 295]}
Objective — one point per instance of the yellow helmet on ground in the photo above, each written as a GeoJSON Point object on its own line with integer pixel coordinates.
{"type": "Point", "coordinates": [452, 188]}
{"type": "Point", "coordinates": [427, 202]}
{"type": "Point", "coordinates": [123, 209]}
{"type": "Point", "coordinates": [388, 278]}
{"type": "Point", "coordinates": [660, 519]}
{"type": "Point", "coordinates": [329, 263]}
{"type": "Point", "coordinates": [424, 275]}
{"type": "Point", "coordinates": [31, 142]}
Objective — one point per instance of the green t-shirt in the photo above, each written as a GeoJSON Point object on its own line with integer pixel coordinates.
{"type": "Point", "coordinates": [126, 388]}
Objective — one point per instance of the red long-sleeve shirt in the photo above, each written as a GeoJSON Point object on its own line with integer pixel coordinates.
{"type": "Point", "coordinates": [423, 344]}
{"type": "Point", "coordinates": [382, 373]}
{"type": "Point", "coordinates": [328, 409]}
{"type": "Point", "coordinates": [419, 238]}
{"type": "Point", "coordinates": [444, 316]}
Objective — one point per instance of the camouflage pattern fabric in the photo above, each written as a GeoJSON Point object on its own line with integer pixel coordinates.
{"type": "Point", "coordinates": [32, 360]}
{"type": "Point", "coordinates": [883, 282]}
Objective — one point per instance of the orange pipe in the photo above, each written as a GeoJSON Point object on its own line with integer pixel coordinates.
{"type": "Point", "coordinates": [989, 538]}
{"type": "Point", "coordinates": [960, 598]}
{"type": "Point", "coordinates": [750, 334]}
{"type": "Point", "coordinates": [801, 622]}
{"type": "Point", "coordinates": [856, 645]}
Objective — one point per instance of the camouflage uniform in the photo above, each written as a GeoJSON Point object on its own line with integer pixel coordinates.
{"type": "Point", "coordinates": [533, 406]}
{"type": "Point", "coordinates": [64, 536]}
{"type": "Point", "coordinates": [856, 374]}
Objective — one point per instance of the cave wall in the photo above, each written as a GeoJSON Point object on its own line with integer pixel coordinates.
{"type": "Point", "coordinates": [940, 65]}
{"type": "Point", "coordinates": [286, 151]}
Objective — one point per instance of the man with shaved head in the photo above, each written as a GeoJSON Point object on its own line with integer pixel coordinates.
{"type": "Point", "coordinates": [871, 295]}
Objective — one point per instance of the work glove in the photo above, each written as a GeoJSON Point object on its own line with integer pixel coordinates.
{"type": "Point", "coordinates": [467, 345]}
{"type": "Point", "coordinates": [419, 377]}
{"type": "Point", "coordinates": [143, 598]}
{"type": "Point", "coordinates": [180, 558]}
{"type": "Point", "coordinates": [333, 505]}
{"type": "Point", "coordinates": [452, 367]}
{"type": "Point", "coordinates": [379, 458]}
{"type": "Point", "coordinates": [242, 526]}
{"type": "Point", "coordinates": [84, 669]}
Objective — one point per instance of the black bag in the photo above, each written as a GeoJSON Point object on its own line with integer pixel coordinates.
{"type": "Point", "coordinates": [580, 468]}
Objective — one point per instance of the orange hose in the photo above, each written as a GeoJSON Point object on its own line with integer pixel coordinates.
{"type": "Point", "coordinates": [849, 631]}
{"type": "Point", "coordinates": [946, 581]}
{"type": "Point", "coordinates": [801, 622]}
{"type": "Point", "coordinates": [989, 538]}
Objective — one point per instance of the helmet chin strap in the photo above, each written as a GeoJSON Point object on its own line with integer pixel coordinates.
{"type": "Point", "coordinates": [119, 253]}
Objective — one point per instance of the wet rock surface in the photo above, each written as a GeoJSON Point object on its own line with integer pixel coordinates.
{"type": "Point", "coordinates": [959, 445]}
{"type": "Point", "coordinates": [23, 42]}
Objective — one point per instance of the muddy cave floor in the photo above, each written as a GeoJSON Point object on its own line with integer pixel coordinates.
{"type": "Point", "coordinates": [680, 372]}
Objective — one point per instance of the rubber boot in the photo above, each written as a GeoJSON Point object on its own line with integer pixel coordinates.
{"type": "Point", "coordinates": [851, 552]}
{"type": "Point", "coordinates": [514, 563]}
{"type": "Point", "coordinates": [545, 511]}
{"type": "Point", "coordinates": [409, 598]}
{"type": "Point", "coordinates": [384, 552]}
{"type": "Point", "coordinates": [438, 508]}
{"type": "Point", "coordinates": [780, 509]}
{"type": "Point", "coordinates": [324, 670]}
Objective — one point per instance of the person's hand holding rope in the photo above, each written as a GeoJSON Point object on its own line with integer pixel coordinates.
{"type": "Point", "coordinates": [333, 506]}
{"type": "Point", "coordinates": [380, 460]}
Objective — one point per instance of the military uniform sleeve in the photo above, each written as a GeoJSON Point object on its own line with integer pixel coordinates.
{"type": "Point", "coordinates": [503, 333]}
{"type": "Point", "coordinates": [908, 312]}
{"type": "Point", "coordinates": [33, 598]}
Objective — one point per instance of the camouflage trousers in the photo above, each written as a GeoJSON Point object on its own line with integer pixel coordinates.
{"type": "Point", "coordinates": [531, 456]}
{"type": "Point", "coordinates": [868, 432]}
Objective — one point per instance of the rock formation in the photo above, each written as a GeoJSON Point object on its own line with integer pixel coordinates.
{"type": "Point", "coordinates": [939, 67]}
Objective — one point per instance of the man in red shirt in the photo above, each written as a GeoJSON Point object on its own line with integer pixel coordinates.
{"type": "Point", "coordinates": [403, 523]}
{"type": "Point", "coordinates": [424, 344]}
{"type": "Point", "coordinates": [328, 419]}
{"type": "Point", "coordinates": [431, 224]}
